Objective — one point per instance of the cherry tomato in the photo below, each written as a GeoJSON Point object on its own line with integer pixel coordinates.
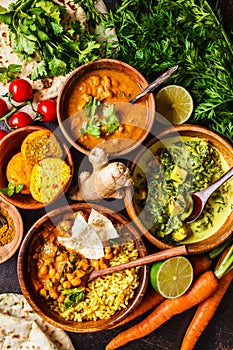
{"type": "Point", "coordinates": [20, 119]}
{"type": "Point", "coordinates": [21, 90]}
{"type": "Point", "coordinates": [3, 108]}
{"type": "Point", "coordinates": [48, 108]}
{"type": "Point", "coordinates": [2, 134]}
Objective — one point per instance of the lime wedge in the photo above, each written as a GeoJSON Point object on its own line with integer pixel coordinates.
{"type": "Point", "coordinates": [172, 277]}
{"type": "Point", "coordinates": [174, 103]}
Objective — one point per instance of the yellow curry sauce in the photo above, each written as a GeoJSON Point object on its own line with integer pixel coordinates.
{"type": "Point", "coordinates": [108, 86]}
{"type": "Point", "coordinates": [184, 162]}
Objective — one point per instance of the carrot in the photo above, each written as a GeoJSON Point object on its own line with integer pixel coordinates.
{"type": "Point", "coordinates": [200, 263]}
{"type": "Point", "coordinates": [150, 300]}
{"type": "Point", "coordinates": [201, 289]}
{"type": "Point", "coordinates": [205, 312]}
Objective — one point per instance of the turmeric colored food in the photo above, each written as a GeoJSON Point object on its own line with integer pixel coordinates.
{"type": "Point", "coordinates": [39, 167]}
{"type": "Point", "coordinates": [59, 274]}
{"type": "Point", "coordinates": [39, 145]}
{"type": "Point", "coordinates": [48, 178]}
{"type": "Point", "coordinates": [19, 171]}
{"type": "Point", "coordinates": [7, 231]}
{"type": "Point", "coordinates": [124, 126]}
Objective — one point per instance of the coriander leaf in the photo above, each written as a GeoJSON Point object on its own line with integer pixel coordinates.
{"type": "Point", "coordinates": [91, 107]}
{"type": "Point", "coordinates": [57, 67]}
{"type": "Point", "coordinates": [110, 120]}
{"type": "Point", "coordinates": [39, 71]}
{"type": "Point", "coordinates": [52, 10]}
{"type": "Point", "coordinates": [9, 73]}
{"type": "Point", "coordinates": [73, 296]}
{"type": "Point", "coordinates": [11, 189]}
{"type": "Point", "coordinates": [18, 188]}
{"type": "Point", "coordinates": [91, 127]}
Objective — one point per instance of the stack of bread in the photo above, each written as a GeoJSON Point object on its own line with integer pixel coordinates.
{"type": "Point", "coordinates": [39, 167]}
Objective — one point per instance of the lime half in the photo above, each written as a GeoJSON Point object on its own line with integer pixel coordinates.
{"type": "Point", "coordinates": [174, 103]}
{"type": "Point", "coordinates": [172, 277]}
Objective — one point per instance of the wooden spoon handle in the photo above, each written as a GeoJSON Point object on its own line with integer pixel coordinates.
{"type": "Point", "coordinates": [162, 255]}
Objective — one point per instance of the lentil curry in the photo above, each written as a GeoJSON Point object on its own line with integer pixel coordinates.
{"type": "Point", "coordinates": [60, 275]}
{"type": "Point", "coordinates": [107, 86]}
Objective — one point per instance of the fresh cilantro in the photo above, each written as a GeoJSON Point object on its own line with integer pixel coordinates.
{"type": "Point", "coordinates": [73, 296]}
{"type": "Point", "coordinates": [110, 120]}
{"type": "Point", "coordinates": [9, 73]}
{"type": "Point", "coordinates": [11, 189]}
{"type": "Point", "coordinates": [91, 127]}
{"type": "Point", "coordinates": [37, 28]}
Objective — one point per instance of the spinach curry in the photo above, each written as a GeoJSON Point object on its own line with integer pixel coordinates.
{"type": "Point", "coordinates": [166, 176]}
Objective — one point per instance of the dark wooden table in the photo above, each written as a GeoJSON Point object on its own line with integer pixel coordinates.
{"type": "Point", "coordinates": [218, 334]}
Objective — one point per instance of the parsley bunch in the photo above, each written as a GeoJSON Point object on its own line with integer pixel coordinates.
{"type": "Point", "coordinates": [36, 29]}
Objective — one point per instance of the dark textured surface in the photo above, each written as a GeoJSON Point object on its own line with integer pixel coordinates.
{"type": "Point", "coordinates": [218, 334]}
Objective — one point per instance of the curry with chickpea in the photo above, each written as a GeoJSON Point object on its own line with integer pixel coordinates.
{"type": "Point", "coordinates": [107, 86]}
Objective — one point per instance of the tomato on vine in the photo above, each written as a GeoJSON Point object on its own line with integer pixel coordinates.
{"type": "Point", "coordinates": [21, 90]}
{"type": "Point", "coordinates": [20, 119]}
{"type": "Point", "coordinates": [3, 108]}
{"type": "Point", "coordinates": [48, 110]}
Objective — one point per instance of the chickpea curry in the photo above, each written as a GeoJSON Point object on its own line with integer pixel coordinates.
{"type": "Point", "coordinates": [107, 119]}
{"type": "Point", "coordinates": [60, 274]}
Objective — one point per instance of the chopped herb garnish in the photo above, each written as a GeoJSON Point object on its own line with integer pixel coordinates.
{"type": "Point", "coordinates": [73, 296]}
{"type": "Point", "coordinates": [11, 189]}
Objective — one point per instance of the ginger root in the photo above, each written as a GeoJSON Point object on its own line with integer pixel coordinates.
{"type": "Point", "coordinates": [108, 180]}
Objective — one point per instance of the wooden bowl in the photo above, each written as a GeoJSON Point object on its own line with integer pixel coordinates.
{"type": "Point", "coordinates": [25, 264]}
{"type": "Point", "coordinates": [144, 109]}
{"type": "Point", "coordinates": [8, 250]}
{"type": "Point", "coordinates": [9, 146]}
{"type": "Point", "coordinates": [224, 148]}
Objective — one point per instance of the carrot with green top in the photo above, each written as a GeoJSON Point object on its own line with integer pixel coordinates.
{"type": "Point", "coordinates": [205, 312]}
{"type": "Point", "coordinates": [201, 289]}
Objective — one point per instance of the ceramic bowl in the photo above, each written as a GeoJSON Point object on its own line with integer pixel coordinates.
{"type": "Point", "coordinates": [9, 146]}
{"type": "Point", "coordinates": [26, 266]}
{"type": "Point", "coordinates": [140, 115]}
{"type": "Point", "coordinates": [224, 147]}
{"type": "Point", "coordinates": [9, 249]}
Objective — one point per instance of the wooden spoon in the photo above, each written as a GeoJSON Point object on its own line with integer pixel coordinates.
{"type": "Point", "coordinates": [200, 197]}
{"type": "Point", "coordinates": [162, 255]}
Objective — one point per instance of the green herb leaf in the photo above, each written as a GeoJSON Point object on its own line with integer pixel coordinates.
{"type": "Point", "coordinates": [9, 73]}
{"type": "Point", "coordinates": [11, 189]}
{"type": "Point", "coordinates": [111, 120]}
{"type": "Point", "coordinates": [73, 296]}
{"type": "Point", "coordinates": [91, 127]}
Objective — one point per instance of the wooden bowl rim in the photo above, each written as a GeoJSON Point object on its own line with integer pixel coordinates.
{"type": "Point", "coordinates": [8, 250]}
{"type": "Point", "coordinates": [193, 248]}
{"type": "Point", "coordinates": [43, 311]}
{"type": "Point", "coordinates": [87, 67]}
{"type": "Point", "coordinates": [68, 158]}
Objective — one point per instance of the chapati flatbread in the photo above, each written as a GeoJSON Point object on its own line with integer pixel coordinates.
{"type": "Point", "coordinates": [16, 306]}
{"type": "Point", "coordinates": [84, 239]}
{"type": "Point", "coordinates": [24, 335]}
{"type": "Point", "coordinates": [102, 226]}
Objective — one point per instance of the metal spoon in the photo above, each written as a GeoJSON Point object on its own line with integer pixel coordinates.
{"type": "Point", "coordinates": [152, 86]}
{"type": "Point", "coordinates": [200, 197]}
{"type": "Point", "coordinates": [162, 255]}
